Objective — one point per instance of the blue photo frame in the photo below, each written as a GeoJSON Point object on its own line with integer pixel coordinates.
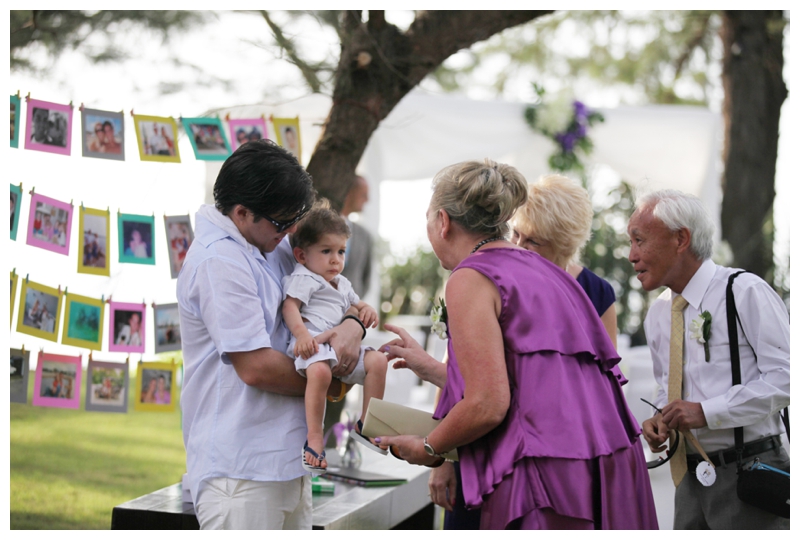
{"type": "Point", "coordinates": [136, 238]}
{"type": "Point", "coordinates": [208, 138]}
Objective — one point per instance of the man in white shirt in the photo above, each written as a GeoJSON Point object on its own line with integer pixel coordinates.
{"type": "Point", "coordinates": [242, 399]}
{"type": "Point", "coordinates": [671, 243]}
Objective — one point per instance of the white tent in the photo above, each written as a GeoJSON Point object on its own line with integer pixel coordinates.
{"type": "Point", "coordinates": [657, 145]}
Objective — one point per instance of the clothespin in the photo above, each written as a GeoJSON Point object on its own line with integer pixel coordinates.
{"type": "Point", "coordinates": [270, 118]}
{"type": "Point", "coordinates": [153, 305]}
{"type": "Point", "coordinates": [132, 113]}
{"type": "Point", "coordinates": [65, 290]}
{"type": "Point", "coordinates": [82, 208]}
{"type": "Point", "coordinates": [17, 93]}
{"type": "Point", "coordinates": [227, 117]}
{"type": "Point", "coordinates": [32, 190]}
{"type": "Point", "coordinates": [127, 360]}
{"type": "Point", "coordinates": [109, 299]}
{"type": "Point", "coordinates": [14, 272]}
{"type": "Point", "coordinates": [59, 289]}
{"type": "Point", "coordinates": [143, 303]}
{"type": "Point", "coordinates": [81, 107]}
{"type": "Point", "coordinates": [90, 356]}
{"type": "Point", "coordinates": [20, 187]}
{"type": "Point", "coordinates": [70, 202]}
{"type": "Point", "coordinates": [102, 299]}
{"type": "Point", "coordinates": [26, 278]}
{"type": "Point", "coordinates": [108, 210]}
{"type": "Point", "coordinates": [28, 97]}
{"type": "Point", "coordinates": [23, 345]}
{"type": "Point", "coordinates": [70, 105]}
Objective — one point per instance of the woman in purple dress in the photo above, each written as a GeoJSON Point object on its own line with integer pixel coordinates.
{"type": "Point", "coordinates": [544, 435]}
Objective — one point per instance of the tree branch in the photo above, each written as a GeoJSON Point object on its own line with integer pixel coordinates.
{"type": "Point", "coordinates": [309, 73]}
{"type": "Point", "coordinates": [696, 40]}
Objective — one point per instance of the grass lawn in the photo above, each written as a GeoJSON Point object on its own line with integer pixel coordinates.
{"type": "Point", "coordinates": [69, 468]}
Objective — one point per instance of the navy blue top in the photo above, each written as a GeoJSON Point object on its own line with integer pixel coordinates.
{"type": "Point", "coordinates": [599, 291]}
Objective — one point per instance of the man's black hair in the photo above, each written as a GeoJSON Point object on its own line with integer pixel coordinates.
{"type": "Point", "coordinates": [265, 179]}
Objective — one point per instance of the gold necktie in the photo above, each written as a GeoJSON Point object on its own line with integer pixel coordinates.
{"type": "Point", "coordinates": [677, 464]}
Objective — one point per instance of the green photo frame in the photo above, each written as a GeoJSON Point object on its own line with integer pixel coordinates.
{"type": "Point", "coordinates": [83, 321]}
{"type": "Point", "coordinates": [16, 206]}
{"type": "Point", "coordinates": [208, 138]}
{"type": "Point", "coordinates": [16, 113]}
{"type": "Point", "coordinates": [136, 238]}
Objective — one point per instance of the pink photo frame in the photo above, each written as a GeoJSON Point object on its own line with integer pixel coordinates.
{"type": "Point", "coordinates": [246, 129]}
{"type": "Point", "coordinates": [49, 224]}
{"type": "Point", "coordinates": [123, 331]}
{"type": "Point", "coordinates": [58, 381]}
{"type": "Point", "coordinates": [48, 127]}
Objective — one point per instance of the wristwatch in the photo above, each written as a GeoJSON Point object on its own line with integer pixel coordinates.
{"type": "Point", "coordinates": [429, 449]}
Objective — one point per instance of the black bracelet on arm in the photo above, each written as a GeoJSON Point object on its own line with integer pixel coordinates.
{"type": "Point", "coordinates": [363, 328]}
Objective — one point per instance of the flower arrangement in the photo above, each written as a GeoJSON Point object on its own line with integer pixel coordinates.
{"type": "Point", "coordinates": [700, 329]}
{"type": "Point", "coordinates": [439, 319]}
{"type": "Point", "coordinates": [566, 121]}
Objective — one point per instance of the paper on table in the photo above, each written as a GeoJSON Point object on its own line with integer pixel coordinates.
{"type": "Point", "coordinates": [386, 418]}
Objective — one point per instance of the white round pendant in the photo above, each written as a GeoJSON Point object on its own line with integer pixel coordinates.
{"type": "Point", "coordinates": [706, 474]}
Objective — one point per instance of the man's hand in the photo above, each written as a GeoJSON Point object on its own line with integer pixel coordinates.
{"type": "Point", "coordinates": [683, 415]}
{"type": "Point", "coordinates": [346, 341]}
{"type": "Point", "coordinates": [655, 432]}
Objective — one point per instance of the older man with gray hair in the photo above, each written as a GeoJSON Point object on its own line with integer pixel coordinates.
{"type": "Point", "coordinates": [671, 244]}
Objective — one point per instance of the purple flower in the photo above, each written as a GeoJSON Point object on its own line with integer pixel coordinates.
{"type": "Point", "coordinates": [581, 112]}
{"type": "Point", "coordinates": [581, 131]}
{"type": "Point", "coordinates": [566, 140]}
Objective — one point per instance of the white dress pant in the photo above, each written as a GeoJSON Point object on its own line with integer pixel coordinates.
{"type": "Point", "coordinates": [234, 504]}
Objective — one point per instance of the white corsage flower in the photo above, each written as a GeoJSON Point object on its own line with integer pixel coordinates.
{"type": "Point", "coordinates": [700, 329]}
{"type": "Point", "coordinates": [439, 319]}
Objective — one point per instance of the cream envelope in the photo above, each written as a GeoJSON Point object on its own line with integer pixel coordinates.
{"type": "Point", "coordinates": [386, 418]}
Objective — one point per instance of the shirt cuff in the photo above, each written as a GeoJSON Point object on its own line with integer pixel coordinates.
{"type": "Point", "coordinates": [716, 413]}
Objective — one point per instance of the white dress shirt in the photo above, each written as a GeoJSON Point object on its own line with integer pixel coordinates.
{"type": "Point", "coordinates": [229, 297]}
{"type": "Point", "coordinates": [765, 382]}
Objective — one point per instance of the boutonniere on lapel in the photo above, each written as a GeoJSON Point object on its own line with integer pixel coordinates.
{"type": "Point", "coordinates": [701, 330]}
{"type": "Point", "coordinates": [439, 319]}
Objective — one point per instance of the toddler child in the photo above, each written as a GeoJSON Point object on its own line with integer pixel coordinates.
{"type": "Point", "coordinates": [316, 298]}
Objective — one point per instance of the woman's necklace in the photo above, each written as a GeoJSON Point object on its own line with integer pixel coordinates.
{"type": "Point", "coordinates": [484, 242]}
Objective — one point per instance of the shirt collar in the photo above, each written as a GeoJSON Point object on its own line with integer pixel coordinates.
{"type": "Point", "coordinates": [213, 225]}
{"type": "Point", "coordinates": [300, 269]}
{"type": "Point", "coordinates": [696, 289]}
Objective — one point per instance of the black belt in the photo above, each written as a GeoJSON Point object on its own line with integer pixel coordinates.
{"type": "Point", "coordinates": [729, 456]}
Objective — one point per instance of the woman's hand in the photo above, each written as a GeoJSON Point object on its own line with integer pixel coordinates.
{"type": "Point", "coordinates": [442, 485]}
{"type": "Point", "coordinates": [408, 448]}
{"type": "Point", "coordinates": [410, 355]}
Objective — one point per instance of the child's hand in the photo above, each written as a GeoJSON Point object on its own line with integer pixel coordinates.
{"type": "Point", "coordinates": [306, 347]}
{"type": "Point", "coordinates": [368, 316]}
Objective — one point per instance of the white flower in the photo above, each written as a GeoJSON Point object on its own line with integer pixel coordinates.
{"type": "Point", "coordinates": [440, 329]}
{"type": "Point", "coordinates": [696, 329]}
{"type": "Point", "coordinates": [554, 116]}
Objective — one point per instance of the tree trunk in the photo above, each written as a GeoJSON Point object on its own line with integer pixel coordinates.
{"type": "Point", "coordinates": [378, 66]}
{"type": "Point", "coordinates": [752, 77]}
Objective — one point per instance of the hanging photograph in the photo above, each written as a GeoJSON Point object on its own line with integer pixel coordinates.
{"type": "Point", "coordinates": [15, 115]}
{"type": "Point", "coordinates": [19, 375]}
{"type": "Point", "coordinates": [58, 381]}
{"type": "Point", "coordinates": [39, 310]}
{"type": "Point", "coordinates": [106, 387]}
{"type": "Point", "coordinates": [155, 386]}
{"type": "Point", "coordinates": [157, 137]}
{"type": "Point", "coordinates": [16, 205]}
{"type": "Point", "coordinates": [247, 129]}
{"type": "Point", "coordinates": [49, 224]}
{"type": "Point", "coordinates": [83, 321]}
{"type": "Point", "coordinates": [103, 134]}
{"type": "Point", "coordinates": [207, 138]}
{"type": "Point", "coordinates": [287, 133]}
{"type": "Point", "coordinates": [167, 324]}
{"type": "Point", "coordinates": [126, 327]}
{"type": "Point", "coordinates": [136, 238]}
{"type": "Point", "coordinates": [48, 127]}
{"type": "Point", "coordinates": [93, 257]}
{"type": "Point", "coordinates": [179, 237]}
{"type": "Point", "coordinates": [14, 282]}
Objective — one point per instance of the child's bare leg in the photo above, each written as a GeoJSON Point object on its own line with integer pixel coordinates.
{"type": "Point", "coordinates": [375, 366]}
{"type": "Point", "coordinates": [319, 378]}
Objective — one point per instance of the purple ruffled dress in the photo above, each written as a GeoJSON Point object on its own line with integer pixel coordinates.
{"type": "Point", "coordinates": [568, 453]}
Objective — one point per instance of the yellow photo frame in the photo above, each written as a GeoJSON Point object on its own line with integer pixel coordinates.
{"type": "Point", "coordinates": [93, 242]}
{"type": "Point", "coordinates": [14, 283]}
{"type": "Point", "coordinates": [83, 321]}
{"type": "Point", "coordinates": [157, 137]}
{"type": "Point", "coordinates": [287, 133]}
{"type": "Point", "coordinates": [156, 386]}
{"type": "Point", "coordinates": [39, 310]}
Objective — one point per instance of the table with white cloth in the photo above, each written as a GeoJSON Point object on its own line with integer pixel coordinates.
{"type": "Point", "coordinates": [405, 506]}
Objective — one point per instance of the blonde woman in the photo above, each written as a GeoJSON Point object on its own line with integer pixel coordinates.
{"type": "Point", "coordinates": [544, 436]}
{"type": "Point", "coordinates": [556, 223]}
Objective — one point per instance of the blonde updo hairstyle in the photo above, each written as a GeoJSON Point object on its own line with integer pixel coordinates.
{"type": "Point", "coordinates": [479, 196]}
{"type": "Point", "coordinates": [558, 211]}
